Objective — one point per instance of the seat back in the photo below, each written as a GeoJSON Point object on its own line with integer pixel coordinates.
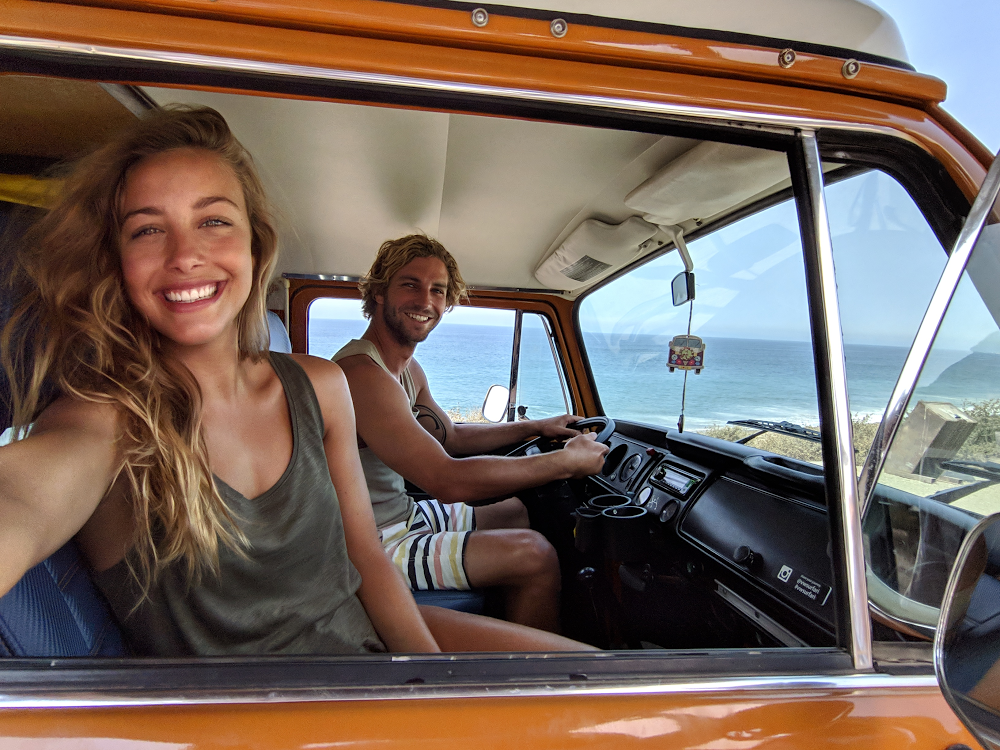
{"type": "Point", "coordinates": [54, 610]}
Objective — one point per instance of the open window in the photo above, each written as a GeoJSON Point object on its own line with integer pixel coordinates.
{"type": "Point", "coordinates": [546, 210]}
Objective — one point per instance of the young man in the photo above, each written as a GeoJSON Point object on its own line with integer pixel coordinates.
{"type": "Point", "coordinates": [403, 433]}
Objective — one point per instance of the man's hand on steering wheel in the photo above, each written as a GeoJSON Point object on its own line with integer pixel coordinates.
{"type": "Point", "coordinates": [557, 427]}
{"type": "Point", "coordinates": [584, 455]}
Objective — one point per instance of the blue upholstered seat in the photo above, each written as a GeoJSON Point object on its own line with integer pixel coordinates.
{"type": "Point", "coordinates": [54, 610]}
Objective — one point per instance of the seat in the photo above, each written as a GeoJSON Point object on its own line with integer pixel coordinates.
{"type": "Point", "coordinates": [54, 610]}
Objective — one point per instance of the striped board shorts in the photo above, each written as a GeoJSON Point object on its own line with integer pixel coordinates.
{"type": "Point", "coordinates": [429, 546]}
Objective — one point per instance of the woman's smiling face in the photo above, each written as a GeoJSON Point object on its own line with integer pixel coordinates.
{"type": "Point", "coordinates": [185, 245]}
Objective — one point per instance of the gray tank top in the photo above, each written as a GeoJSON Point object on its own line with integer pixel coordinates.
{"type": "Point", "coordinates": [390, 502]}
{"type": "Point", "coordinates": [295, 590]}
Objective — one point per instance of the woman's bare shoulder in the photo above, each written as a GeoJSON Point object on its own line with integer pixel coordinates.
{"type": "Point", "coordinates": [327, 377]}
{"type": "Point", "coordinates": [68, 413]}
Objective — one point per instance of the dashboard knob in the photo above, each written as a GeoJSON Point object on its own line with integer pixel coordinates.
{"type": "Point", "coordinates": [669, 511]}
{"type": "Point", "coordinates": [744, 556]}
{"type": "Point", "coordinates": [643, 497]}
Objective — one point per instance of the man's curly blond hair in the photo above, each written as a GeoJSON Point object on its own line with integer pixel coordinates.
{"type": "Point", "coordinates": [394, 254]}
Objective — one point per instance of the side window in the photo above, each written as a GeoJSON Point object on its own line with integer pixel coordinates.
{"type": "Point", "coordinates": [332, 323]}
{"type": "Point", "coordinates": [750, 311]}
{"type": "Point", "coordinates": [942, 471]}
{"type": "Point", "coordinates": [888, 261]}
{"type": "Point", "coordinates": [468, 351]}
{"type": "Point", "coordinates": [539, 382]}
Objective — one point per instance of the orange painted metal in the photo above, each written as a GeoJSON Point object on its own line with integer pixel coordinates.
{"type": "Point", "coordinates": [441, 44]}
{"type": "Point", "coordinates": [504, 33]}
{"type": "Point", "coordinates": [825, 719]}
{"type": "Point", "coordinates": [422, 57]}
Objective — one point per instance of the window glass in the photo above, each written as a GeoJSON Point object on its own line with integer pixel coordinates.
{"type": "Point", "coordinates": [332, 323]}
{"type": "Point", "coordinates": [750, 309]}
{"type": "Point", "coordinates": [888, 262]}
{"type": "Point", "coordinates": [468, 351]}
{"type": "Point", "coordinates": [943, 469]}
{"type": "Point", "coordinates": [539, 387]}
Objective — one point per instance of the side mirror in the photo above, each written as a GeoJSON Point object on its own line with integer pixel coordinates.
{"type": "Point", "coordinates": [495, 403]}
{"type": "Point", "coordinates": [682, 288]}
{"type": "Point", "coordinates": [967, 643]}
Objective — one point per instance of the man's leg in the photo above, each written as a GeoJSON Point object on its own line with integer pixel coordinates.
{"type": "Point", "coordinates": [507, 514]}
{"type": "Point", "coordinates": [524, 563]}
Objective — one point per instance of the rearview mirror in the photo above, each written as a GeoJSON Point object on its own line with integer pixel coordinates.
{"type": "Point", "coordinates": [967, 643]}
{"type": "Point", "coordinates": [682, 288]}
{"type": "Point", "coordinates": [495, 404]}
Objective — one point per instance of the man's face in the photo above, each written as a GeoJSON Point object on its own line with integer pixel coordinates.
{"type": "Point", "coordinates": [414, 300]}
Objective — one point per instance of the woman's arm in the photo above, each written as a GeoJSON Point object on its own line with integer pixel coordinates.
{"type": "Point", "coordinates": [384, 592]}
{"type": "Point", "coordinates": [51, 482]}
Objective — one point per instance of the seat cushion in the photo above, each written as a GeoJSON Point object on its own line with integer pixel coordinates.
{"type": "Point", "coordinates": [54, 610]}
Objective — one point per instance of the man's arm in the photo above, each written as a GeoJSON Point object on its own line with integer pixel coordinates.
{"type": "Point", "coordinates": [474, 439]}
{"type": "Point", "coordinates": [384, 592]}
{"type": "Point", "coordinates": [388, 427]}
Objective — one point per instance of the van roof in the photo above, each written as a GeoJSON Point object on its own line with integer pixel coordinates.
{"type": "Point", "coordinates": [825, 26]}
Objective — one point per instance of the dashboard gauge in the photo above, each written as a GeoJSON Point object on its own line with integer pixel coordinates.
{"type": "Point", "coordinates": [643, 497]}
{"type": "Point", "coordinates": [630, 467]}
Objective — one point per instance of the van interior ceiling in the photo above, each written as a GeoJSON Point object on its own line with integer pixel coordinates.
{"type": "Point", "coordinates": [542, 204]}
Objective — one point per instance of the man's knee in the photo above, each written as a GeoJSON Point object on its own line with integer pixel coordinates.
{"type": "Point", "coordinates": [532, 554]}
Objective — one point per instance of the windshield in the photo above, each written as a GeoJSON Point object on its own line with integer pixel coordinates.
{"type": "Point", "coordinates": [749, 310]}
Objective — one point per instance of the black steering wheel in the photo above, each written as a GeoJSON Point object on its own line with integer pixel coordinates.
{"type": "Point", "coordinates": [604, 426]}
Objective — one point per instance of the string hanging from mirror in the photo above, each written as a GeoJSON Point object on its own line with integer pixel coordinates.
{"type": "Point", "coordinates": [684, 387]}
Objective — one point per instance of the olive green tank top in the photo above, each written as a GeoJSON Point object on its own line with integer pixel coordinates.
{"type": "Point", "coordinates": [294, 590]}
{"type": "Point", "coordinates": [390, 502]}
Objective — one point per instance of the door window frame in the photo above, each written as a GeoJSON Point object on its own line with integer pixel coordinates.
{"type": "Point", "coordinates": [97, 682]}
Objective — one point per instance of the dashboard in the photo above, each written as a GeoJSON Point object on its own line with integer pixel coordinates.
{"type": "Point", "coordinates": [712, 527]}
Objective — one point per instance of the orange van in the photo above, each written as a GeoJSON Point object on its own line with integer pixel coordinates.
{"type": "Point", "coordinates": [782, 577]}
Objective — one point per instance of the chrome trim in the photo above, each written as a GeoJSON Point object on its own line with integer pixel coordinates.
{"type": "Point", "coordinates": [757, 121]}
{"type": "Point", "coordinates": [744, 685]}
{"type": "Point", "coordinates": [130, 97]}
{"type": "Point", "coordinates": [950, 591]}
{"type": "Point", "coordinates": [927, 332]}
{"type": "Point", "coordinates": [854, 558]}
{"type": "Point", "coordinates": [320, 277]}
{"type": "Point", "coordinates": [515, 365]}
{"type": "Point", "coordinates": [916, 627]}
{"type": "Point", "coordinates": [551, 337]}
{"type": "Point", "coordinates": [471, 287]}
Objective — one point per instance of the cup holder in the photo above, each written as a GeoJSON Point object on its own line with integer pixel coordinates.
{"type": "Point", "coordinates": [626, 533]}
{"type": "Point", "coordinates": [612, 500]}
{"type": "Point", "coordinates": [587, 532]}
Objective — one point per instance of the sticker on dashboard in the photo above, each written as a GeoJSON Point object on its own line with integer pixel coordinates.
{"type": "Point", "coordinates": [816, 591]}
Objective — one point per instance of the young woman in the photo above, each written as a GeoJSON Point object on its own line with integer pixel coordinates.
{"type": "Point", "coordinates": [214, 488]}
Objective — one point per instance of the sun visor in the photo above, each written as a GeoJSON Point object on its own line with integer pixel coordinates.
{"type": "Point", "coordinates": [706, 180]}
{"type": "Point", "coordinates": [591, 250]}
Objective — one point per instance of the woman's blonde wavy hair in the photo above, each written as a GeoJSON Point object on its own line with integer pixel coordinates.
{"type": "Point", "coordinates": [74, 331]}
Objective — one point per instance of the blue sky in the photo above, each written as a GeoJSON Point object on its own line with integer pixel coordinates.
{"type": "Point", "coordinates": [957, 42]}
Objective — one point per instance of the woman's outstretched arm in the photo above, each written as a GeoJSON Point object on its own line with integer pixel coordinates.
{"type": "Point", "coordinates": [51, 482]}
{"type": "Point", "coordinates": [384, 592]}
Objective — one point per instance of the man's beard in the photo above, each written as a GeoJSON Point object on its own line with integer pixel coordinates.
{"type": "Point", "coordinates": [396, 326]}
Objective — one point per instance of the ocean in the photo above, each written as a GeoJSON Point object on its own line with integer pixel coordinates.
{"type": "Point", "coordinates": [742, 378]}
